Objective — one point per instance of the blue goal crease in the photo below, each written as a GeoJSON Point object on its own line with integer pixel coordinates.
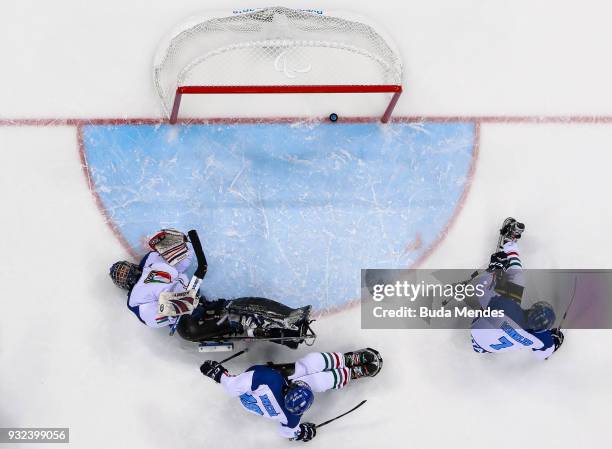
{"type": "Point", "coordinates": [289, 212]}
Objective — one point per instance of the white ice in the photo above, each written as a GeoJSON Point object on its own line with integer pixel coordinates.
{"type": "Point", "coordinates": [72, 356]}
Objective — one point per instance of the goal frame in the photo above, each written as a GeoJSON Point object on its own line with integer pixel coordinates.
{"type": "Point", "coordinates": [396, 90]}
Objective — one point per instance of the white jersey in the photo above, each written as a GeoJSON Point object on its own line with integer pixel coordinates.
{"type": "Point", "coordinates": [507, 333]}
{"type": "Point", "coordinates": [157, 277]}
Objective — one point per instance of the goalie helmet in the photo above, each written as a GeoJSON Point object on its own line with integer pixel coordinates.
{"type": "Point", "coordinates": [125, 274]}
{"type": "Point", "coordinates": [540, 316]}
{"type": "Point", "coordinates": [299, 397]}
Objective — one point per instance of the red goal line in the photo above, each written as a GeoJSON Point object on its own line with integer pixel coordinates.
{"type": "Point", "coordinates": [476, 119]}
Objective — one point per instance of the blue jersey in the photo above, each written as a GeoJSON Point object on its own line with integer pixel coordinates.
{"type": "Point", "coordinates": [261, 391]}
{"type": "Point", "coordinates": [508, 332]}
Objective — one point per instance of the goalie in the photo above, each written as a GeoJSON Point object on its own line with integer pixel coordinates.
{"type": "Point", "coordinates": [157, 287]}
{"type": "Point", "coordinates": [159, 295]}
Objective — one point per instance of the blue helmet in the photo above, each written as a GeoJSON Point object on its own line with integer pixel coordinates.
{"type": "Point", "coordinates": [540, 316]}
{"type": "Point", "coordinates": [299, 397]}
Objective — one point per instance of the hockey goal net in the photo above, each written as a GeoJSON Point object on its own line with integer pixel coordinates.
{"type": "Point", "coordinates": [275, 50]}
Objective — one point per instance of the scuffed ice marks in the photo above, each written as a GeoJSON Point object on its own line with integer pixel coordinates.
{"type": "Point", "coordinates": [284, 211]}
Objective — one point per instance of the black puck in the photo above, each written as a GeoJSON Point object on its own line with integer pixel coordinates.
{"type": "Point", "coordinates": [333, 117]}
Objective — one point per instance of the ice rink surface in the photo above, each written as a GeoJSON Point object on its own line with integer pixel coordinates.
{"type": "Point", "coordinates": [283, 209]}
{"type": "Point", "coordinates": [71, 355]}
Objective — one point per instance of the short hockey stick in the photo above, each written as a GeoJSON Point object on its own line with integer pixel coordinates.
{"type": "Point", "coordinates": [234, 356]}
{"type": "Point", "coordinates": [200, 257]}
{"type": "Point", "coordinates": [340, 416]}
{"type": "Point", "coordinates": [570, 303]}
{"type": "Point", "coordinates": [196, 279]}
{"type": "Point", "coordinates": [477, 272]}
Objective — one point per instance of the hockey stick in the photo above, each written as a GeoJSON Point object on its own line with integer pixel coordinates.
{"type": "Point", "coordinates": [200, 272]}
{"type": "Point", "coordinates": [234, 356]}
{"type": "Point", "coordinates": [477, 272]}
{"type": "Point", "coordinates": [570, 304]}
{"type": "Point", "coordinates": [196, 279]}
{"type": "Point", "coordinates": [564, 317]}
{"type": "Point", "coordinates": [340, 416]}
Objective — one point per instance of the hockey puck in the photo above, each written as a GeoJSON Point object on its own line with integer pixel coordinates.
{"type": "Point", "coordinates": [333, 117]}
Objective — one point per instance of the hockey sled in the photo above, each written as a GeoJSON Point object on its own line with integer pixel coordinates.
{"type": "Point", "coordinates": [216, 329]}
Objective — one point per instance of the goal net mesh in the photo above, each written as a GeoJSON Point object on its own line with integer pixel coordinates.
{"type": "Point", "coordinates": [274, 47]}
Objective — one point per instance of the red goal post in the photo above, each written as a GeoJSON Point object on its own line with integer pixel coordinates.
{"type": "Point", "coordinates": [276, 51]}
{"type": "Point", "coordinates": [314, 89]}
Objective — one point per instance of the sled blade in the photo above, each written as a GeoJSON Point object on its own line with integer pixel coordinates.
{"type": "Point", "coordinates": [208, 346]}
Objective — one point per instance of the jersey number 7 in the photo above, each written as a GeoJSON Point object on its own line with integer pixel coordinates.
{"type": "Point", "coordinates": [503, 343]}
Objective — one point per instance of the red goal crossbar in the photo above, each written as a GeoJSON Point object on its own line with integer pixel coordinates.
{"type": "Point", "coordinates": [315, 89]}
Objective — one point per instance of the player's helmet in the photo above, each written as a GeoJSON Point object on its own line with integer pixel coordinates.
{"type": "Point", "coordinates": [125, 274]}
{"type": "Point", "coordinates": [540, 316]}
{"type": "Point", "coordinates": [299, 397]}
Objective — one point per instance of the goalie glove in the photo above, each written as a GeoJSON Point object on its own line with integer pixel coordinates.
{"type": "Point", "coordinates": [306, 432]}
{"type": "Point", "coordinates": [177, 303]}
{"type": "Point", "coordinates": [213, 369]}
{"type": "Point", "coordinates": [171, 245]}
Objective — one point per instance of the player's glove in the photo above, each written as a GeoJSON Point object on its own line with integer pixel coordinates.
{"type": "Point", "coordinates": [498, 261]}
{"type": "Point", "coordinates": [558, 337]}
{"type": "Point", "coordinates": [213, 369]}
{"type": "Point", "coordinates": [170, 244]}
{"type": "Point", "coordinates": [306, 432]}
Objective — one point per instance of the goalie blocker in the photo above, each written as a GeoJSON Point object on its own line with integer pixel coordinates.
{"type": "Point", "coordinates": [178, 303]}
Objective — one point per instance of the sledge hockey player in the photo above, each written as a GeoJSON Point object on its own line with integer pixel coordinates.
{"type": "Point", "coordinates": [158, 295]}
{"type": "Point", "coordinates": [504, 284]}
{"type": "Point", "coordinates": [158, 285]}
{"type": "Point", "coordinates": [285, 392]}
